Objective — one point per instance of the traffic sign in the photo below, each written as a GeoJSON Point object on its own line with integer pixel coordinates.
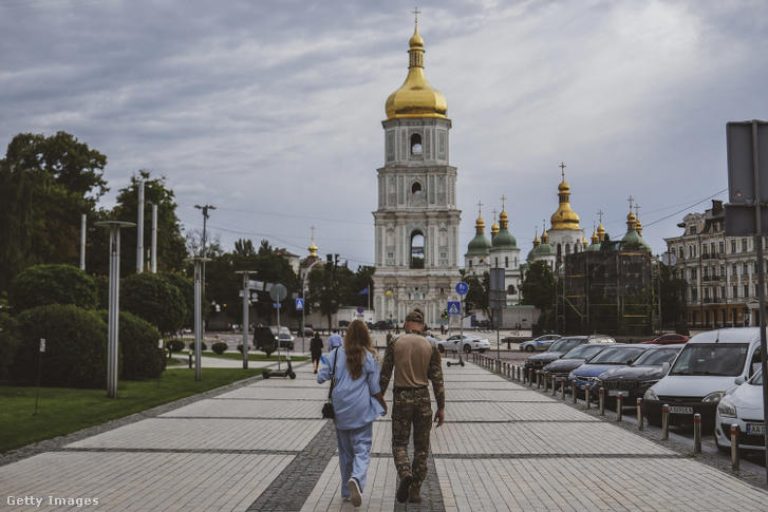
{"type": "Point", "coordinates": [278, 292]}
{"type": "Point", "coordinates": [276, 305]}
{"type": "Point", "coordinates": [299, 304]}
{"type": "Point", "coordinates": [454, 307]}
{"type": "Point", "coordinates": [462, 288]}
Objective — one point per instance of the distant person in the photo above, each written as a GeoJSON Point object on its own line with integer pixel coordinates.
{"type": "Point", "coordinates": [357, 401]}
{"type": "Point", "coordinates": [316, 349]}
{"type": "Point", "coordinates": [334, 340]}
{"type": "Point", "coordinates": [415, 362]}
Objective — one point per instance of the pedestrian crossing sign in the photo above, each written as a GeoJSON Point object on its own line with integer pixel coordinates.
{"type": "Point", "coordinates": [299, 304]}
{"type": "Point", "coordinates": [454, 307]}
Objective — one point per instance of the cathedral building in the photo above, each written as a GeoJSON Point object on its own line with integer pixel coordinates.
{"type": "Point", "coordinates": [417, 222]}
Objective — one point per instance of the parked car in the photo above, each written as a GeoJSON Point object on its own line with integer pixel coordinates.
{"type": "Point", "coordinates": [631, 382]}
{"type": "Point", "coordinates": [466, 344]}
{"type": "Point", "coordinates": [708, 365]}
{"type": "Point", "coordinates": [540, 344]}
{"type": "Point", "coordinates": [668, 339]}
{"type": "Point", "coordinates": [587, 376]}
{"type": "Point", "coordinates": [560, 368]}
{"type": "Point", "coordinates": [560, 347]}
{"type": "Point", "coordinates": [285, 336]}
{"type": "Point", "coordinates": [744, 407]}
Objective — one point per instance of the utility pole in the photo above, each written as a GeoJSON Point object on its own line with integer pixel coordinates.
{"type": "Point", "coordinates": [83, 226]}
{"type": "Point", "coordinates": [203, 253]}
{"type": "Point", "coordinates": [153, 257]}
{"type": "Point", "coordinates": [140, 227]}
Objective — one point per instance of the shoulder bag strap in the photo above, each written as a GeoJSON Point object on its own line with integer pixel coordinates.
{"type": "Point", "coordinates": [333, 374]}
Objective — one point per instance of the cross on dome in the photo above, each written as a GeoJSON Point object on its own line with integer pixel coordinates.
{"type": "Point", "coordinates": [562, 167]}
{"type": "Point", "coordinates": [416, 13]}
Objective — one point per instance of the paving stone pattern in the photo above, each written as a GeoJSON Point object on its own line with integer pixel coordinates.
{"type": "Point", "coordinates": [263, 446]}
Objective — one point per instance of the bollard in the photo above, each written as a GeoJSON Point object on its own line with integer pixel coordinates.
{"type": "Point", "coordinates": [619, 407]}
{"type": "Point", "coordinates": [640, 419]}
{"type": "Point", "coordinates": [562, 388]}
{"type": "Point", "coordinates": [586, 395]}
{"type": "Point", "coordinates": [554, 385]}
{"type": "Point", "coordinates": [520, 372]}
{"type": "Point", "coordinates": [601, 401]}
{"type": "Point", "coordinates": [734, 447]}
{"type": "Point", "coordinates": [538, 379]}
{"type": "Point", "coordinates": [696, 433]}
{"type": "Point", "coordinates": [190, 359]}
{"type": "Point", "coordinates": [665, 422]}
{"type": "Point", "coordinates": [530, 377]}
{"type": "Point", "coordinates": [574, 397]}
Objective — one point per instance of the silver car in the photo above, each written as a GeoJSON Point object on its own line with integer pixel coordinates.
{"type": "Point", "coordinates": [540, 344]}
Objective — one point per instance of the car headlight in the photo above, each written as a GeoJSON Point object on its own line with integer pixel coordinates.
{"type": "Point", "coordinates": [713, 397]}
{"type": "Point", "coordinates": [726, 408]}
{"type": "Point", "coordinates": [650, 395]}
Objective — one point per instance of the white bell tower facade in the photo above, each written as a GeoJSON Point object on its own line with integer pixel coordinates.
{"type": "Point", "coordinates": [417, 222]}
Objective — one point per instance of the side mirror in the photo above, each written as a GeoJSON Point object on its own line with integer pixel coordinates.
{"type": "Point", "coordinates": [739, 381]}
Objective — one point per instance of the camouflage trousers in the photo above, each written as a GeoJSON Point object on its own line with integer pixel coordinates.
{"type": "Point", "coordinates": [411, 407]}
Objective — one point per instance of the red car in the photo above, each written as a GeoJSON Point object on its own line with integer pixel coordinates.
{"type": "Point", "coordinates": [668, 339]}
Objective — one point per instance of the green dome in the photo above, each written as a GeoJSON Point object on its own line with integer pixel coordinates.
{"type": "Point", "coordinates": [594, 247]}
{"type": "Point", "coordinates": [478, 246]}
{"type": "Point", "coordinates": [504, 240]}
{"type": "Point", "coordinates": [541, 251]}
{"type": "Point", "coordinates": [634, 242]}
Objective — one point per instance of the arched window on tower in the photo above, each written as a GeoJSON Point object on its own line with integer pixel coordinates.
{"type": "Point", "coordinates": [417, 249]}
{"type": "Point", "coordinates": [416, 187]}
{"type": "Point", "coordinates": [416, 148]}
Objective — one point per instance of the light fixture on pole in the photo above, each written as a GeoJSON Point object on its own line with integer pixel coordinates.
{"type": "Point", "coordinates": [114, 302]}
{"type": "Point", "coordinates": [246, 322]}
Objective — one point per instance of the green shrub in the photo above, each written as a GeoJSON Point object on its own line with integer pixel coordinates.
{"type": "Point", "coordinates": [9, 344]}
{"type": "Point", "coordinates": [76, 347]}
{"type": "Point", "coordinates": [154, 299]}
{"type": "Point", "coordinates": [175, 345]}
{"type": "Point", "coordinates": [41, 285]}
{"type": "Point", "coordinates": [139, 347]}
{"type": "Point", "coordinates": [203, 346]}
{"type": "Point", "coordinates": [219, 347]}
{"type": "Point", "coordinates": [187, 289]}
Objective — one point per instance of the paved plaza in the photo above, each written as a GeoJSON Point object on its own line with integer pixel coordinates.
{"type": "Point", "coordinates": [263, 446]}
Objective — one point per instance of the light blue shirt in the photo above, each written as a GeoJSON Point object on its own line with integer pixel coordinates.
{"type": "Point", "coordinates": [334, 340]}
{"type": "Point", "coordinates": [353, 400]}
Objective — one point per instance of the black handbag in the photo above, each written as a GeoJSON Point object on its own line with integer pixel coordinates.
{"type": "Point", "coordinates": [328, 412]}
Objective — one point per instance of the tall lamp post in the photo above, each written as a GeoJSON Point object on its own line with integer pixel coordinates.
{"type": "Point", "coordinates": [199, 262]}
{"type": "Point", "coordinates": [246, 321]}
{"type": "Point", "coordinates": [113, 321]}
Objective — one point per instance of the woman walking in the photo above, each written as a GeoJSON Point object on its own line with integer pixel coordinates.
{"type": "Point", "coordinates": [357, 401]}
{"type": "Point", "coordinates": [316, 350]}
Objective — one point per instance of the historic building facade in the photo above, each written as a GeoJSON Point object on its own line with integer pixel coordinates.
{"type": "Point", "coordinates": [720, 271]}
{"type": "Point", "coordinates": [417, 222]}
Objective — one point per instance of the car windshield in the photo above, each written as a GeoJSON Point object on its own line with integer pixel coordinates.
{"type": "Point", "coordinates": [584, 351]}
{"type": "Point", "coordinates": [656, 357]}
{"type": "Point", "coordinates": [617, 355]}
{"type": "Point", "coordinates": [757, 380]}
{"type": "Point", "coordinates": [565, 344]}
{"type": "Point", "coordinates": [724, 360]}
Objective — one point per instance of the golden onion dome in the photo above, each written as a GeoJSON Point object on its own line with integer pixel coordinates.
{"type": "Point", "coordinates": [416, 98]}
{"type": "Point", "coordinates": [595, 237]}
{"type": "Point", "coordinates": [601, 232]}
{"type": "Point", "coordinates": [480, 223]}
{"type": "Point", "coordinates": [312, 249]}
{"type": "Point", "coordinates": [494, 229]}
{"type": "Point", "coordinates": [544, 237]}
{"type": "Point", "coordinates": [565, 218]}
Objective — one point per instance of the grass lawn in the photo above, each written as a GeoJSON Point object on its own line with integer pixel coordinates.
{"type": "Point", "coordinates": [65, 410]}
{"type": "Point", "coordinates": [252, 357]}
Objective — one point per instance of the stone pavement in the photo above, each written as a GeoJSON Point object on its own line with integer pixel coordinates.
{"type": "Point", "coordinates": [263, 447]}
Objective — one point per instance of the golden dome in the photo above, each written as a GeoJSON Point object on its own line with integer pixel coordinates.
{"type": "Point", "coordinates": [536, 240]}
{"type": "Point", "coordinates": [480, 223]}
{"type": "Point", "coordinates": [544, 237]}
{"type": "Point", "coordinates": [312, 249]}
{"type": "Point", "coordinates": [494, 229]}
{"type": "Point", "coordinates": [416, 98]}
{"type": "Point", "coordinates": [565, 217]}
{"type": "Point", "coordinates": [595, 236]}
{"type": "Point", "coordinates": [631, 221]}
{"type": "Point", "coordinates": [601, 232]}
{"type": "Point", "coordinates": [503, 219]}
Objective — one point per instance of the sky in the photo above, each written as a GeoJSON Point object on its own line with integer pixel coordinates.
{"type": "Point", "coordinates": [271, 110]}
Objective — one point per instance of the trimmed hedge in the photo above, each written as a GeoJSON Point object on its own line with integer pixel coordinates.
{"type": "Point", "coordinates": [41, 285]}
{"type": "Point", "coordinates": [175, 345]}
{"type": "Point", "coordinates": [139, 340]}
{"type": "Point", "coordinates": [187, 289]}
{"type": "Point", "coordinates": [155, 299]}
{"type": "Point", "coordinates": [203, 346]}
{"type": "Point", "coordinates": [76, 347]}
{"type": "Point", "coordinates": [219, 347]}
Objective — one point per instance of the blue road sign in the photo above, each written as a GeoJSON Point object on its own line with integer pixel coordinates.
{"type": "Point", "coordinates": [462, 288]}
{"type": "Point", "coordinates": [454, 307]}
{"type": "Point", "coordinates": [276, 305]}
{"type": "Point", "coordinates": [299, 304]}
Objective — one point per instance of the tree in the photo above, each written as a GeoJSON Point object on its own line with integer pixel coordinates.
{"type": "Point", "coordinates": [477, 299]}
{"type": "Point", "coordinates": [155, 299]}
{"type": "Point", "coordinates": [40, 285]}
{"type": "Point", "coordinates": [539, 290]}
{"type": "Point", "coordinates": [673, 303]}
{"type": "Point", "coordinates": [328, 286]}
{"type": "Point", "coordinates": [46, 183]}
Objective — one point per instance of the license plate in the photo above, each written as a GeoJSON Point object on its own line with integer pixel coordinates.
{"type": "Point", "coordinates": [616, 392]}
{"type": "Point", "coordinates": [755, 429]}
{"type": "Point", "coordinates": [679, 409]}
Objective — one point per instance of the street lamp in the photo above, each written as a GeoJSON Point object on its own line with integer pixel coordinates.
{"type": "Point", "coordinates": [114, 302]}
{"type": "Point", "coordinates": [303, 296]}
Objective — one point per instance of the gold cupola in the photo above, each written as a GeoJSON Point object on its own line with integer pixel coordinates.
{"type": "Point", "coordinates": [565, 218]}
{"type": "Point", "coordinates": [312, 250]}
{"type": "Point", "coordinates": [600, 232]}
{"type": "Point", "coordinates": [416, 98]}
{"type": "Point", "coordinates": [494, 227]}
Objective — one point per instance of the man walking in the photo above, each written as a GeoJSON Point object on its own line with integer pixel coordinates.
{"type": "Point", "coordinates": [334, 340]}
{"type": "Point", "coordinates": [415, 362]}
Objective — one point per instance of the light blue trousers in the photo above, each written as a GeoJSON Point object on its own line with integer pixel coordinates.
{"type": "Point", "coordinates": [354, 455]}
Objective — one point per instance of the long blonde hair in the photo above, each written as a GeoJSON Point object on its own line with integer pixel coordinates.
{"type": "Point", "coordinates": [356, 343]}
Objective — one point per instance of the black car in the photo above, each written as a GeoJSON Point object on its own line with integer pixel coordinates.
{"type": "Point", "coordinates": [632, 381]}
{"type": "Point", "coordinates": [264, 339]}
{"type": "Point", "coordinates": [556, 351]}
{"type": "Point", "coordinates": [574, 358]}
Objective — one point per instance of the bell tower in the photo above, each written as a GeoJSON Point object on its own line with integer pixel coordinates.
{"type": "Point", "coordinates": [416, 222]}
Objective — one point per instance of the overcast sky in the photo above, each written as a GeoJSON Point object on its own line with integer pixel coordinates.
{"type": "Point", "coordinates": [272, 110]}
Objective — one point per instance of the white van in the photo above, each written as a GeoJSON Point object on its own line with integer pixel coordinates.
{"type": "Point", "coordinates": [708, 365]}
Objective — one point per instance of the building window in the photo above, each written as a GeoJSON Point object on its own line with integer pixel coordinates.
{"type": "Point", "coordinates": [735, 292]}
{"type": "Point", "coordinates": [733, 271]}
{"type": "Point", "coordinates": [743, 245]}
{"type": "Point", "coordinates": [746, 291]}
{"type": "Point", "coordinates": [506, 261]}
{"type": "Point", "coordinates": [416, 187]}
{"type": "Point", "coordinates": [416, 144]}
{"type": "Point", "coordinates": [692, 230]}
{"type": "Point", "coordinates": [733, 246]}
{"type": "Point", "coordinates": [417, 249]}
{"type": "Point", "coordinates": [682, 253]}
{"type": "Point", "coordinates": [745, 269]}
{"type": "Point", "coordinates": [722, 247]}
{"type": "Point", "coordinates": [693, 273]}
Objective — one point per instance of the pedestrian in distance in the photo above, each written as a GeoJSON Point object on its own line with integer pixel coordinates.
{"type": "Point", "coordinates": [415, 362]}
{"type": "Point", "coordinates": [316, 350]}
{"type": "Point", "coordinates": [334, 340]}
{"type": "Point", "coordinates": [357, 402]}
